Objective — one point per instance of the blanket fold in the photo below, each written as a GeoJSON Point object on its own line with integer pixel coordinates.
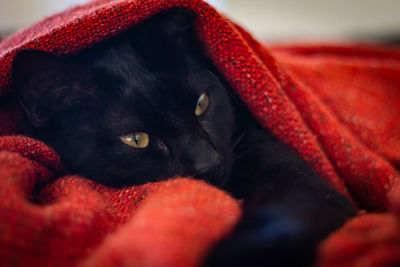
{"type": "Point", "coordinates": [338, 106]}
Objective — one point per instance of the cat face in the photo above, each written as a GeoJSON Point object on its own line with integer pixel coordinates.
{"type": "Point", "coordinates": [140, 107]}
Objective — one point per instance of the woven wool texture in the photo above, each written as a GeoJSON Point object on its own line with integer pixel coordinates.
{"type": "Point", "coordinates": [337, 106]}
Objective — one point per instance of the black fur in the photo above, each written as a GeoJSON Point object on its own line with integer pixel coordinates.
{"type": "Point", "coordinates": [148, 79]}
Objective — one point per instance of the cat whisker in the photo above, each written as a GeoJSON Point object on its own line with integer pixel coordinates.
{"type": "Point", "coordinates": [238, 140]}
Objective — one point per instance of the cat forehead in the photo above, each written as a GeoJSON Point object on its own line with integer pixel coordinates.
{"type": "Point", "coordinates": [147, 114]}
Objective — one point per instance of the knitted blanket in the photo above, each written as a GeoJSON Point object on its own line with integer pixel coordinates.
{"type": "Point", "coordinates": [337, 106]}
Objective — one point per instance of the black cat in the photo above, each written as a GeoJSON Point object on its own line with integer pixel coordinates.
{"type": "Point", "coordinates": [147, 105]}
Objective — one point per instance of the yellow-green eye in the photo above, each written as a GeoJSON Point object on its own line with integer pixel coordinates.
{"type": "Point", "coordinates": [202, 104]}
{"type": "Point", "coordinates": [137, 140]}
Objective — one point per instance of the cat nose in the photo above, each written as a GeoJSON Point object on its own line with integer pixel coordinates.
{"type": "Point", "coordinates": [198, 157]}
{"type": "Point", "coordinates": [205, 159]}
{"type": "Point", "coordinates": [206, 163]}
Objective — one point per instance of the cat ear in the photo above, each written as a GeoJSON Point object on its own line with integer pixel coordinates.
{"type": "Point", "coordinates": [177, 21]}
{"type": "Point", "coordinates": [173, 22]}
{"type": "Point", "coordinates": [33, 74]}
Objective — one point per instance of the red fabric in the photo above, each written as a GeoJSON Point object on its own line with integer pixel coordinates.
{"type": "Point", "coordinates": [337, 106]}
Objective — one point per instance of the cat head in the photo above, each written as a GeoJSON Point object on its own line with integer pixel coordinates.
{"type": "Point", "coordinates": [143, 106]}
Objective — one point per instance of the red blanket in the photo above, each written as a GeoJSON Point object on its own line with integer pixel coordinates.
{"type": "Point", "coordinates": [337, 106]}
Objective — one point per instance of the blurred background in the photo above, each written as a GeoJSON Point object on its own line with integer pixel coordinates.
{"type": "Point", "coordinates": [270, 20]}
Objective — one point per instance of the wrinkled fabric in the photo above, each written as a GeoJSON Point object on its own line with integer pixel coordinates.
{"type": "Point", "coordinates": [337, 106]}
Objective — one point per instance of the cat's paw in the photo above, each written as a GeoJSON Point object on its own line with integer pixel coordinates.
{"type": "Point", "coordinates": [265, 238]}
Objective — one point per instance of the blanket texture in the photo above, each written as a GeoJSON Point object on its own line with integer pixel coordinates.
{"type": "Point", "coordinates": [337, 106]}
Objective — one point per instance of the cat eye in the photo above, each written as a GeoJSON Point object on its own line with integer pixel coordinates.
{"type": "Point", "coordinates": [202, 104]}
{"type": "Point", "coordinates": [136, 140]}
